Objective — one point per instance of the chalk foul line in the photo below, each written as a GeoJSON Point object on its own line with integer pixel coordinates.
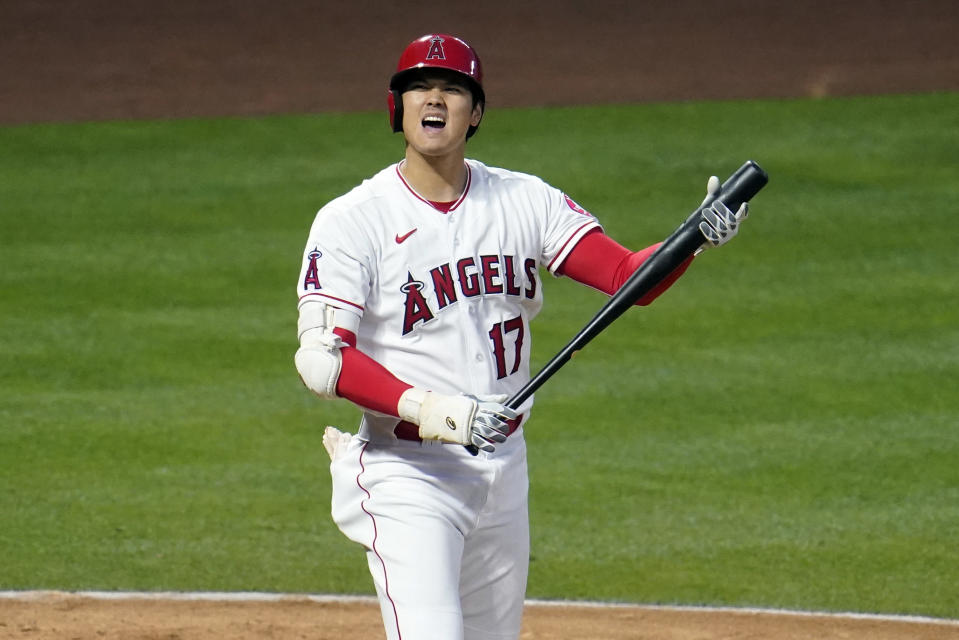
{"type": "Point", "coordinates": [258, 596]}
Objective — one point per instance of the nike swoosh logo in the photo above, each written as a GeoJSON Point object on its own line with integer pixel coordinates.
{"type": "Point", "coordinates": [401, 239]}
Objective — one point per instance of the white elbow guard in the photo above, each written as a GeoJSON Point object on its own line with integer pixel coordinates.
{"type": "Point", "coordinates": [318, 360]}
{"type": "Point", "coordinates": [319, 369]}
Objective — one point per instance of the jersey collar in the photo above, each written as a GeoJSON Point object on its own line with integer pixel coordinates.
{"type": "Point", "coordinates": [456, 203]}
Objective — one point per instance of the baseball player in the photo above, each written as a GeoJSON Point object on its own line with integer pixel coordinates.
{"type": "Point", "coordinates": [416, 293]}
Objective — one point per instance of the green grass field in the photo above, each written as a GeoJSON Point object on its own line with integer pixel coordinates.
{"type": "Point", "coordinates": [781, 429]}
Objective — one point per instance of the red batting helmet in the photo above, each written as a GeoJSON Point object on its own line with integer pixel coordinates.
{"type": "Point", "coordinates": [435, 51]}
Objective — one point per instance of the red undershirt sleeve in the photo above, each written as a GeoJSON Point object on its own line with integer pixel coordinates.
{"type": "Point", "coordinates": [597, 261]}
{"type": "Point", "coordinates": [600, 262]}
{"type": "Point", "coordinates": [364, 381]}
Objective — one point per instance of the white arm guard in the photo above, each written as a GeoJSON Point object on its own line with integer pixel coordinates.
{"type": "Point", "coordinates": [318, 360]}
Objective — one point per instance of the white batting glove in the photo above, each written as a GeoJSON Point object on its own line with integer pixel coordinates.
{"type": "Point", "coordinates": [490, 424]}
{"type": "Point", "coordinates": [461, 419]}
{"type": "Point", "coordinates": [719, 225]}
{"type": "Point", "coordinates": [335, 442]}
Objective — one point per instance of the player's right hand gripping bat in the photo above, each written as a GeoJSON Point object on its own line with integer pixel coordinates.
{"type": "Point", "coordinates": [740, 187]}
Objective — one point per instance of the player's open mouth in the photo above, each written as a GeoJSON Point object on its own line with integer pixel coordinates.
{"type": "Point", "coordinates": [434, 122]}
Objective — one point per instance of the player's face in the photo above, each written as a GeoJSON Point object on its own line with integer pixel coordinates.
{"type": "Point", "coordinates": [437, 112]}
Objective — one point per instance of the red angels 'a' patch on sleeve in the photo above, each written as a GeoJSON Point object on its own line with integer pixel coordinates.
{"type": "Point", "coordinates": [575, 207]}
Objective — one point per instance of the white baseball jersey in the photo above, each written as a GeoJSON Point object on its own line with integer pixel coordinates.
{"type": "Point", "coordinates": [445, 298]}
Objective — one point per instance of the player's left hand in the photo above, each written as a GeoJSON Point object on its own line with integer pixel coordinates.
{"type": "Point", "coordinates": [720, 225]}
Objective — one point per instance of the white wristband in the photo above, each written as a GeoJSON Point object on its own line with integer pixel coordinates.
{"type": "Point", "coordinates": [410, 403]}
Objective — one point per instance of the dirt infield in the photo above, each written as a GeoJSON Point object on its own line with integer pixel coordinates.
{"type": "Point", "coordinates": [70, 60]}
{"type": "Point", "coordinates": [58, 616]}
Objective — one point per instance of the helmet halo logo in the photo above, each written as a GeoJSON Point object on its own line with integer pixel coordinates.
{"type": "Point", "coordinates": [435, 51]}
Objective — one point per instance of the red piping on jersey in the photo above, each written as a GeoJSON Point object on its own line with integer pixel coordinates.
{"type": "Point", "coordinates": [376, 552]}
{"type": "Point", "coordinates": [325, 295]}
{"type": "Point", "coordinates": [456, 203]}
{"type": "Point", "coordinates": [549, 267]}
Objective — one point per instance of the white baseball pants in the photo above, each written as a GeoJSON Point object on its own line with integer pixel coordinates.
{"type": "Point", "coordinates": [446, 533]}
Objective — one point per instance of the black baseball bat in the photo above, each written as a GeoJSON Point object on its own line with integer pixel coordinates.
{"type": "Point", "coordinates": [740, 187]}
